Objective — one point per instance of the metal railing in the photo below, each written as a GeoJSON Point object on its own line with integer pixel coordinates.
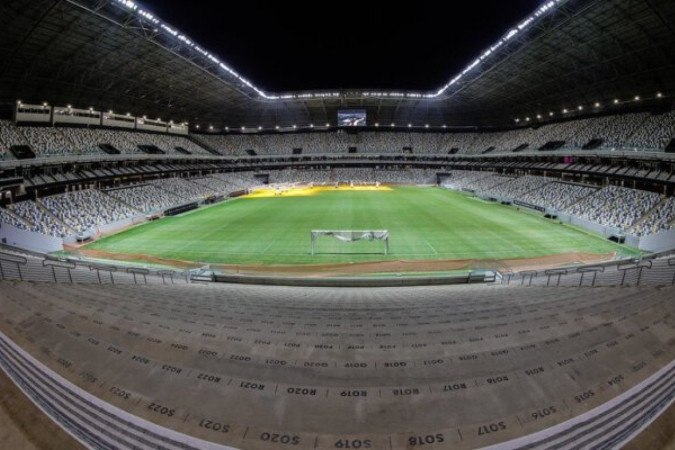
{"type": "Point", "coordinates": [649, 271]}
{"type": "Point", "coordinates": [32, 268]}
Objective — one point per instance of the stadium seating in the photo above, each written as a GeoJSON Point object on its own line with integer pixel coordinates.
{"type": "Point", "coordinates": [615, 206]}
{"type": "Point", "coordinates": [557, 196]}
{"type": "Point", "coordinates": [59, 141]}
{"type": "Point", "coordinates": [83, 211]}
{"type": "Point", "coordinates": [314, 364]}
{"type": "Point", "coordinates": [640, 131]}
{"type": "Point", "coordinates": [636, 131]}
{"type": "Point", "coordinates": [213, 185]}
{"type": "Point", "coordinates": [183, 188]}
{"type": "Point", "coordinates": [659, 219]}
{"type": "Point", "coordinates": [146, 198]}
{"type": "Point", "coordinates": [44, 221]}
{"type": "Point", "coordinates": [7, 216]}
{"type": "Point", "coordinates": [516, 188]}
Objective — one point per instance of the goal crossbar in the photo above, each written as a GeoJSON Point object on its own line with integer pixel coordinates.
{"type": "Point", "coordinates": [353, 236]}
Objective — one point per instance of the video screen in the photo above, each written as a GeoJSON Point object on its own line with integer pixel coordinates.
{"type": "Point", "coordinates": [352, 118]}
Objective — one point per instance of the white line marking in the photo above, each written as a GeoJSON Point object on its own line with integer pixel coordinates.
{"type": "Point", "coordinates": [430, 246]}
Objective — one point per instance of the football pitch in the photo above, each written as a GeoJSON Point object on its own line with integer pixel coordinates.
{"type": "Point", "coordinates": [423, 223]}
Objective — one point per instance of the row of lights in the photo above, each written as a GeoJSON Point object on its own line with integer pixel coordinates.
{"type": "Point", "coordinates": [596, 106]}
{"type": "Point", "coordinates": [564, 111]}
{"type": "Point", "coordinates": [91, 109]}
{"type": "Point", "coordinates": [545, 9]}
{"type": "Point", "coordinates": [327, 126]}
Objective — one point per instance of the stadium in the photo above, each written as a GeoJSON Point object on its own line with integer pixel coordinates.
{"type": "Point", "coordinates": [192, 260]}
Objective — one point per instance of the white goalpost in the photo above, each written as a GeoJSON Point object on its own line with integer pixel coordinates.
{"type": "Point", "coordinates": [350, 236]}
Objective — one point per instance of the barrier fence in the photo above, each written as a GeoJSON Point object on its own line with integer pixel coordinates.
{"type": "Point", "coordinates": [653, 271]}
{"type": "Point", "coordinates": [656, 270]}
{"type": "Point", "coordinates": [28, 268]}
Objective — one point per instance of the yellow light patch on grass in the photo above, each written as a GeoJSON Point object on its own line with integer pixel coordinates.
{"type": "Point", "coordinates": [309, 191]}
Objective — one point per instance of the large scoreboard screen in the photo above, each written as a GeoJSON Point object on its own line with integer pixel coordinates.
{"type": "Point", "coordinates": [351, 118]}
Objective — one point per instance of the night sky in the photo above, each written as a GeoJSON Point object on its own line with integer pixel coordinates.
{"type": "Point", "coordinates": [282, 46]}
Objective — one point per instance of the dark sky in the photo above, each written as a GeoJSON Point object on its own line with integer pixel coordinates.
{"type": "Point", "coordinates": [283, 46]}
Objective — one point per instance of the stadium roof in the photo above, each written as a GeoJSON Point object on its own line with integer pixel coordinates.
{"type": "Point", "coordinates": [111, 54]}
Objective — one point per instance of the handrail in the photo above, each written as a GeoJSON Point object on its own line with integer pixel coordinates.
{"type": "Point", "coordinates": [9, 257]}
{"type": "Point", "coordinates": [604, 273]}
{"type": "Point", "coordinates": [138, 271]}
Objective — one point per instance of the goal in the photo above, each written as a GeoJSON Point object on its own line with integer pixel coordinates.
{"type": "Point", "coordinates": [333, 241]}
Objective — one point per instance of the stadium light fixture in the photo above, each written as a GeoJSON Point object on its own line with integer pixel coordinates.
{"type": "Point", "coordinates": [214, 62]}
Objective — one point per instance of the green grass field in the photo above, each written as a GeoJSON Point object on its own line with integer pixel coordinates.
{"type": "Point", "coordinates": [424, 224]}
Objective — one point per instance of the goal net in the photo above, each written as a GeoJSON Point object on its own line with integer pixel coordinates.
{"type": "Point", "coordinates": [349, 241]}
